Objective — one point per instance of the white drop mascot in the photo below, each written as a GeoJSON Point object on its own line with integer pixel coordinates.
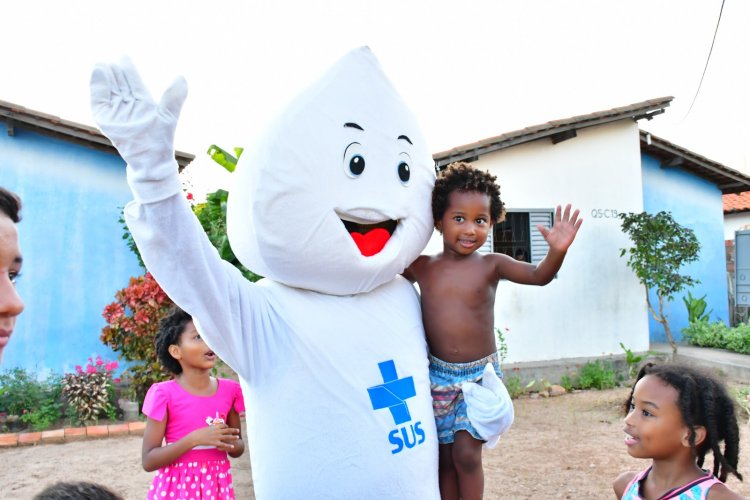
{"type": "Point", "coordinates": [330, 206]}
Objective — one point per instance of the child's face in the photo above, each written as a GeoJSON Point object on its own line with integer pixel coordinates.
{"type": "Point", "coordinates": [11, 304]}
{"type": "Point", "coordinates": [192, 351]}
{"type": "Point", "coordinates": [654, 427]}
{"type": "Point", "coordinates": [466, 222]}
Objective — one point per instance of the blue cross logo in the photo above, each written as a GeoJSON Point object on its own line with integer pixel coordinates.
{"type": "Point", "coordinates": [393, 393]}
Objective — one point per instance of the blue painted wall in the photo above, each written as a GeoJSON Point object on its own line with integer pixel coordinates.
{"type": "Point", "coordinates": [74, 256]}
{"type": "Point", "coordinates": [695, 203]}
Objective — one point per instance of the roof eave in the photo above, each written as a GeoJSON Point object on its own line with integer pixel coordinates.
{"type": "Point", "coordinates": [558, 128]}
{"type": "Point", "coordinates": [18, 116]}
{"type": "Point", "coordinates": [726, 179]}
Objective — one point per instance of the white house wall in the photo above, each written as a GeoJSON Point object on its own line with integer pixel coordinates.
{"type": "Point", "coordinates": [596, 301]}
{"type": "Point", "coordinates": [735, 222]}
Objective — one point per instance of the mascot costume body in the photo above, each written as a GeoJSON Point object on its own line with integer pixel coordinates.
{"type": "Point", "coordinates": [330, 206]}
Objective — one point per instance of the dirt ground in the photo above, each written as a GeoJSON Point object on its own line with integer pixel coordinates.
{"type": "Point", "coordinates": [565, 447]}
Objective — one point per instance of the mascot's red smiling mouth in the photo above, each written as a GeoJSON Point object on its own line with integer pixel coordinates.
{"type": "Point", "coordinates": [370, 238]}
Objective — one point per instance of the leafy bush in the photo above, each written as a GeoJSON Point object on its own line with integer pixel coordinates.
{"type": "Point", "coordinates": [88, 392]}
{"type": "Point", "coordinates": [513, 384]}
{"type": "Point", "coordinates": [566, 382]}
{"type": "Point", "coordinates": [738, 338]}
{"type": "Point", "coordinates": [132, 326]}
{"type": "Point", "coordinates": [50, 408]}
{"type": "Point", "coordinates": [705, 334]}
{"type": "Point", "coordinates": [718, 336]}
{"type": "Point", "coordinates": [597, 375]}
{"type": "Point", "coordinates": [19, 391]}
{"type": "Point", "coordinates": [35, 403]}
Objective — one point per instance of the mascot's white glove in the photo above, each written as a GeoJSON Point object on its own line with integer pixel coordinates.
{"type": "Point", "coordinates": [489, 406]}
{"type": "Point", "coordinates": [141, 129]}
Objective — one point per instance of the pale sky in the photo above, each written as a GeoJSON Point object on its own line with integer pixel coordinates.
{"type": "Point", "coordinates": [469, 70]}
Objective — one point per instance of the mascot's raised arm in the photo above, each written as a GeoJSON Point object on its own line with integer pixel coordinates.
{"type": "Point", "coordinates": [330, 205]}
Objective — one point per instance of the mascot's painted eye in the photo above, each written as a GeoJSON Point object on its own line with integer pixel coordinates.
{"type": "Point", "coordinates": [354, 160]}
{"type": "Point", "coordinates": [404, 172]}
{"type": "Point", "coordinates": [357, 165]}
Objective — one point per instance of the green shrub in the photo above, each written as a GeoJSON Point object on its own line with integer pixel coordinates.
{"type": "Point", "coordinates": [513, 384]}
{"type": "Point", "coordinates": [36, 402]}
{"type": "Point", "coordinates": [47, 414]}
{"type": "Point", "coordinates": [18, 391]}
{"type": "Point", "coordinates": [738, 338]}
{"type": "Point", "coordinates": [566, 382]}
{"type": "Point", "coordinates": [718, 336]}
{"type": "Point", "coordinates": [705, 334]}
{"type": "Point", "coordinates": [597, 375]}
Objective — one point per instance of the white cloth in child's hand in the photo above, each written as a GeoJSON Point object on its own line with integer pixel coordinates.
{"type": "Point", "coordinates": [141, 129]}
{"type": "Point", "coordinates": [489, 406]}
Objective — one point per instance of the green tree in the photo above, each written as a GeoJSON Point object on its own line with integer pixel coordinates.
{"type": "Point", "coordinates": [660, 248]}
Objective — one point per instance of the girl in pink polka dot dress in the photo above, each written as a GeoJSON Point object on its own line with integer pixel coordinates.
{"type": "Point", "coordinates": [193, 419]}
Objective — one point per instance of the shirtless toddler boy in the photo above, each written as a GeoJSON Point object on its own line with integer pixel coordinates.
{"type": "Point", "coordinates": [458, 295]}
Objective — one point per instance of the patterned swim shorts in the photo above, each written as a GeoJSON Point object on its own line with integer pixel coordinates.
{"type": "Point", "coordinates": [448, 403]}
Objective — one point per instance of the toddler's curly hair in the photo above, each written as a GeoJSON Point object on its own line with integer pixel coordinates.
{"type": "Point", "coordinates": [170, 329]}
{"type": "Point", "coordinates": [461, 176]}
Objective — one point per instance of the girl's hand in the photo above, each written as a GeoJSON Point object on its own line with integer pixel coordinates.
{"type": "Point", "coordinates": [221, 436]}
{"type": "Point", "coordinates": [563, 231]}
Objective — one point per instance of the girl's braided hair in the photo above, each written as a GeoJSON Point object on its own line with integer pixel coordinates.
{"type": "Point", "coordinates": [703, 400]}
{"type": "Point", "coordinates": [461, 176]}
{"type": "Point", "coordinates": [170, 329]}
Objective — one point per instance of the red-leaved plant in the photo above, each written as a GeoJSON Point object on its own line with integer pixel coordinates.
{"type": "Point", "coordinates": [132, 325]}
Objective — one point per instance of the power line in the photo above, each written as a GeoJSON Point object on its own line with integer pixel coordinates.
{"type": "Point", "coordinates": [707, 60]}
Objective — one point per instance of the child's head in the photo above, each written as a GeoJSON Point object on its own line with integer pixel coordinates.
{"type": "Point", "coordinates": [674, 409]}
{"type": "Point", "coordinates": [79, 490]}
{"type": "Point", "coordinates": [462, 176]}
{"type": "Point", "coordinates": [11, 261]}
{"type": "Point", "coordinates": [178, 342]}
